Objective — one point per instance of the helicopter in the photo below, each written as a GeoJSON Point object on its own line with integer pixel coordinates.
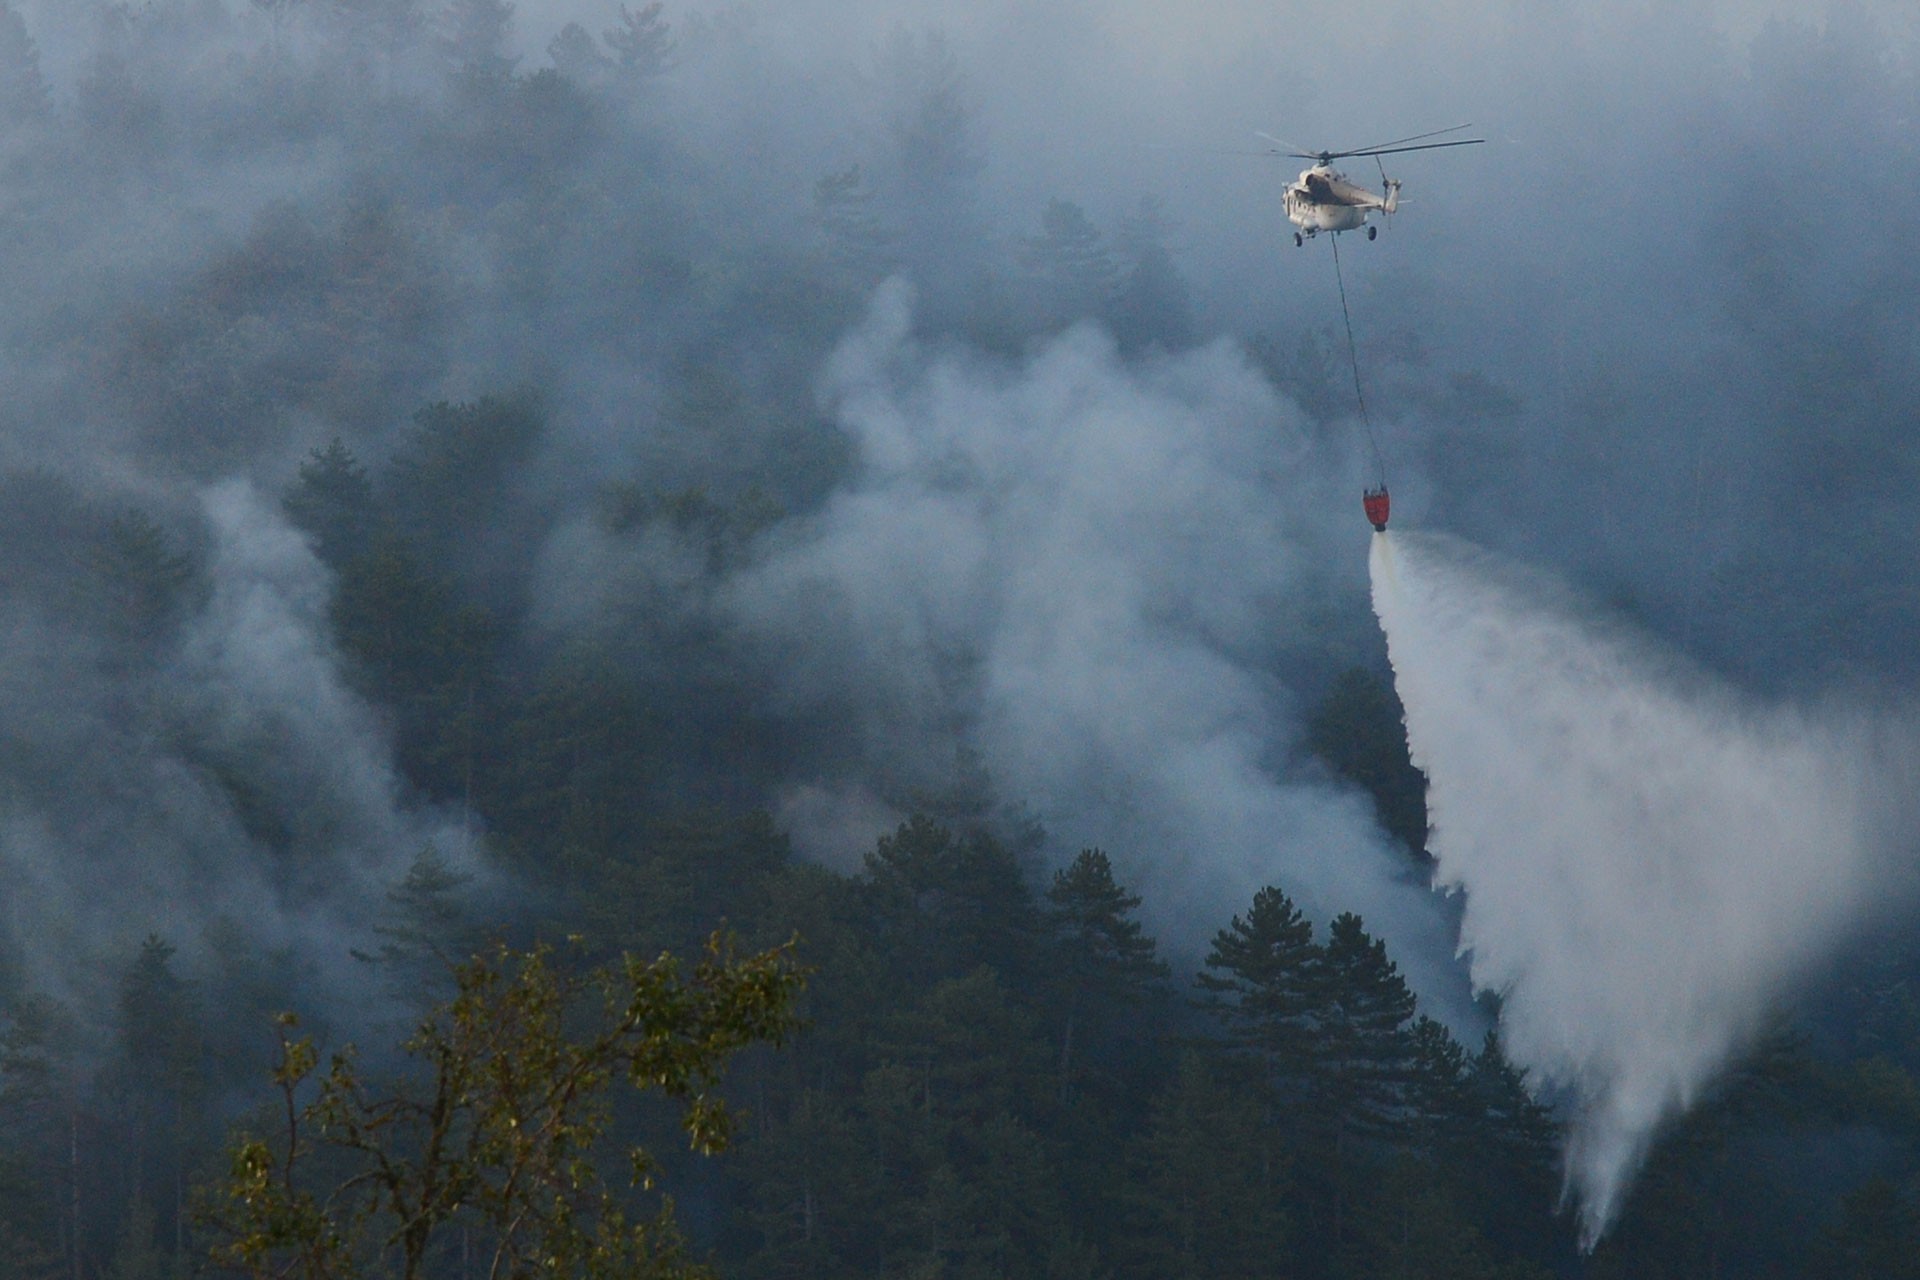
{"type": "Point", "coordinates": [1324, 199]}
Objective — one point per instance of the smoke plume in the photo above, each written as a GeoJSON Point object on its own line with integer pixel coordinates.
{"type": "Point", "coordinates": [1079, 569]}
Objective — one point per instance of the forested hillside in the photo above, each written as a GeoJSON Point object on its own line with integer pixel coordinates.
{"type": "Point", "coordinates": [454, 499]}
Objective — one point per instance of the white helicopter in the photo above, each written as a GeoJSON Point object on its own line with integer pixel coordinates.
{"type": "Point", "coordinates": [1323, 199]}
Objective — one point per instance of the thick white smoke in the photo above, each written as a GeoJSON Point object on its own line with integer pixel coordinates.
{"type": "Point", "coordinates": [126, 788]}
{"type": "Point", "coordinates": [1647, 858]}
{"type": "Point", "coordinates": [1082, 570]}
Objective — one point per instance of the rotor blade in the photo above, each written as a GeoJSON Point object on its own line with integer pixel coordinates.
{"type": "Point", "coordinates": [1418, 137]}
{"type": "Point", "coordinates": [1189, 148]}
{"type": "Point", "coordinates": [1293, 148]}
{"type": "Point", "coordinates": [1392, 151]}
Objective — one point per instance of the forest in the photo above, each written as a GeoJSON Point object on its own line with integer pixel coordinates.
{"type": "Point", "coordinates": [488, 542]}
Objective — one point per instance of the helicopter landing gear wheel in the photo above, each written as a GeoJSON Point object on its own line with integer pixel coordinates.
{"type": "Point", "coordinates": [1297, 241]}
{"type": "Point", "coordinates": [1373, 233]}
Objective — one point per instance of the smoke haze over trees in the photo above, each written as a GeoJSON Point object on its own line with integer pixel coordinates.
{"type": "Point", "coordinates": [552, 469]}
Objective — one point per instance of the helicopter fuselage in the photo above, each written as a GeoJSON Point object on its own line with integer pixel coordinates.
{"type": "Point", "coordinates": [1322, 199]}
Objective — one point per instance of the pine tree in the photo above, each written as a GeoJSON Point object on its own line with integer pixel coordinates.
{"type": "Point", "coordinates": [1266, 983]}
{"type": "Point", "coordinates": [813, 1196]}
{"type": "Point", "coordinates": [577, 56]}
{"type": "Point", "coordinates": [157, 1083]}
{"type": "Point", "coordinates": [1875, 1237]}
{"type": "Point", "coordinates": [23, 90]}
{"type": "Point", "coordinates": [1152, 304]}
{"type": "Point", "coordinates": [474, 35]}
{"type": "Point", "coordinates": [856, 244]}
{"type": "Point", "coordinates": [1208, 1186]}
{"type": "Point", "coordinates": [331, 501]}
{"type": "Point", "coordinates": [1510, 1172]}
{"type": "Point", "coordinates": [1069, 259]}
{"type": "Point", "coordinates": [146, 581]}
{"type": "Point", "coordinates": [1103, 960]}
{"type": "Point", "coordinates": [1365, 1048]}
{"type": "Point", "coordinates": [1439, 1099]}
{"type": "Point", "coordinates": [943, 904]}
{"type": "Point", "coordinates": [450, 482]}
{"type": "Point", "coordinates": [426, 930]}
{"type": "Point", "coordinates": [37, 1105]}
{"type": "Point", "coordinates": [643, 42]}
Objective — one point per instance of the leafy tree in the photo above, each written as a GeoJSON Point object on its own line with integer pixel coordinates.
{"type": "Point", "coordinates": [504, 1133]}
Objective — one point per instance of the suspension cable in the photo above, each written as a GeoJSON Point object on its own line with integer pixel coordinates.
{"type": "Point", "coordinates": [1353, 358]}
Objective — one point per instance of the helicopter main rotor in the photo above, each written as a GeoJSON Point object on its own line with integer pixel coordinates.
{"type": "Point", "coordinates": [1394, 147]}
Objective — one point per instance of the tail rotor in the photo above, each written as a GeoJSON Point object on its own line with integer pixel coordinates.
{"type": "Point", "coordinates": [1391, 186]}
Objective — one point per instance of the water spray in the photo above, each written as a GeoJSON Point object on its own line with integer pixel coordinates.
{"type": "Point", "coordinates": [1649, 860]}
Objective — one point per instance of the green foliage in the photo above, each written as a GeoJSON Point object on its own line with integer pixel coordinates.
{"type": "Point", "coordinates": [1210, 1184]}
{"type": "Point", "coordinates": [1263, 980]}
{"type": "Point", "coordinates": [1152, 304]}
{"type": "Point", "coordinates": [1069, 258]}
{"type": "Point", "coordinates": [1099, 942]}
{"type": "Point", "coordinates": [1101, 961]}
{"type": "Point", "coordinates": [332, 501]}
{"type": "Point", "coordinates": [643, 43]}
{"type": "Point", "coordinates": [145, 580]}
{"type": "Point", "coordinates": [426, 931]}
{"type": "Point", "coordinates": [857, 245]}
{"type": "Point", "coordinates": [1877, 1236]}
{"type": "Point", "coordinates": [1366, 1056]}
{"type": "Point", "coordinates": [454, 472]}
{"type": "Point", "coordinates": [944, 903]}
{"type": "Point", "coordinates": [37, 1045]}
{"type": "Point", "coordinates": [23, 89]}
{"type": "Point", "coordinates": [500, 1129]}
